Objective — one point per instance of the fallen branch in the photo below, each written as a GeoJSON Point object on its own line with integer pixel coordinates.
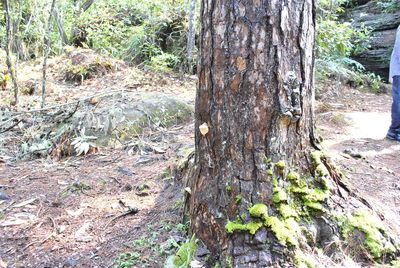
{"type": "Point", "coordinates": [7, 121]}
{"type": "Point", "coordinates": [44, 240]}
{"type": "Point", "coordinates": [112, 92]}
{"type": "Point", "coordinates": [28, 153]}
{"type": "Point", "coordinates": [11, 127]}
{"type": "Point", "coordinates": [8, 207]}
{"type": "Point", "coordinates": [131, 211]}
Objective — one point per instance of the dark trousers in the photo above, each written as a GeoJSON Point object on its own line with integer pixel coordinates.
{"type": "Point", "coordinates": [395, 126]}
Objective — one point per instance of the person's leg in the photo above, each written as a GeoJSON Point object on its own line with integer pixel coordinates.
{"type": "Point", "coordinates": [394, 129]}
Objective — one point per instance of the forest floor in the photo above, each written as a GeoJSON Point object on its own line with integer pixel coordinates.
{"type": "Point", "coordinates": [113, 209]}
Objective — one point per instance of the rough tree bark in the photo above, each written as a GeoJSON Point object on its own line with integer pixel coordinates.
{"type": "Point", "coordinates": [262, 193]}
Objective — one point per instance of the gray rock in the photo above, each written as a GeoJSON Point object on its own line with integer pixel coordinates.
{"type": "Point", "coordinates": [354, 153]}
{"type": "Point", "coordinates": [132, 114]}
{"type": "Point", "coordinates": [124, 116]}
{"type": "Point", "coordinates": [127, 188]}
{"type": "Point", "coordinates": [126, 171]}
{"type": "Point", "coordinates": [70, 263]}
{"type": "Point", "coordinates": [376, 58]}
{"type": "Point", "coordinates": [146, 159]}
{"type": "Point", "coordinates": [201, 252]}
{"type": "Point", "coordinates": [4, 196]}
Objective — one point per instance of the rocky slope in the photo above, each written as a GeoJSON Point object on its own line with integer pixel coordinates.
{"type": "Point", "coordinates": [383, 24]}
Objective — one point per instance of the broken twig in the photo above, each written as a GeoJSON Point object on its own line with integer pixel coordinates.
{"type": "Point", "coordinates": [131, 211]}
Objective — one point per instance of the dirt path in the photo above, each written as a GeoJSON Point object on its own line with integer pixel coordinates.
{"type": "Point", "coordinates": [71, 213]}
{"type": "Point", "coordinates": [359, 124]}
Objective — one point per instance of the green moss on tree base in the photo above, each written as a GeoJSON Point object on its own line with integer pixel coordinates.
{"type": "Point", "coordinates": [302, 260]}
{"type": "Point", "coordinates": [251, 227]}
{"type": "Point", "coordinates": [372, 227]}
{"type": "Point", "coordinates": [238, 198]}
{"type": "Point", "coordinates": [293, 177]}
{"type": "Point", "coordinates": [287, 211]}
{"type": "Point", "coordinates": [281, 164]}
{"type": "Point", "coordinates": [285, 231]}
{"type": "Point", "coordinates": [279, 195]}
{"type": "Point", "coordinates": [295, 199]}
{"type": "Point", "coordinates": [259, 211]}
{"type": "Point", "coordinates": [314, 205]}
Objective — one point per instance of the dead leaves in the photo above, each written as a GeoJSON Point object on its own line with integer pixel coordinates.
{"type": "Point", "coordinates": [19, 218]}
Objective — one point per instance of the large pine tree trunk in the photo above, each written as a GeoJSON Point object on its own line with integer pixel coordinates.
{"type": "Point", "coordinates": [255, 97]}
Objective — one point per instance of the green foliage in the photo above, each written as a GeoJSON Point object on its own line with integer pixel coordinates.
{"type": "Point", "coordinates": [164, 62]}
{"type": "Point", "coordinates": [160, 39]}
{"type": "Point", "coordinates": [139, 31]}
{"type": "Point", "coordinates": [142, 45]}
{"type": "Point", "coordinates": [184, 255]}
{"type": "Point", "coordinates": [375, 237]}
{"type": "Point", "coordinates": [76, 188]}
{"type": "Point", "coordinates": [115, 25]}
{"type": "Point", "coordinates": [389, 5]}
{"type": "Point", "coordinates": [280, 164]}
{"type": "Point", "coordinates": [150, 245]}
{"type": "Point", "coordinates": [127, 259]}
{"type": "Point", "coordinates": [303, 260]}
{"type": "Point", "coordinates": [337, 41]}
{"type": "Point", "coordinates": [83, 143]}
{"type": "Point", "coordinates": [238, 198]}
{"type": "Point", "coordinates": [4, 78]}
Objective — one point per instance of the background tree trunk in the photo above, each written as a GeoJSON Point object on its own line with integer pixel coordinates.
{"type": "Point", "coordinates": [18, 46]}
{"type": "Point", "coordinates": [255, 96]}
{"type": "Point", "coordinates": [9, 38]}
{"type": "Point", "coordinates": [47, 47]}
{"type": "Point", "coordinates": [77, 38]}
{"type": "Point", "coordinates": [191, 35]}
{"type": "Point", "coordinates": [60, 26]}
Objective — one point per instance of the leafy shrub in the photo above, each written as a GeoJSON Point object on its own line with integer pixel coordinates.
{"type": "Point", "coordinates": [163, 33]}
{"type": "Point", "coordinates": [336, 42]}
{"type": "Point", "coordinates": [142, 46]}
{"type": "Point", "coordinates": [164, 62]}
{"type": "Point", "coordinates": [84, 64]}
{"type": "Point", "coordinates": [136, 30]}
{"type": "Point", "coordinates": [339, 40]}
{"type": "Point", "coordinates": [106, 27]}
{"type": "Point", "coordinates": [389, 5]}
{"type": "Point", "coordinates": [183, 257]}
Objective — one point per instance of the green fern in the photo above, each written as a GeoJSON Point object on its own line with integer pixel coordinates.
{"type": "Point", "coordinates": [184, 256]}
